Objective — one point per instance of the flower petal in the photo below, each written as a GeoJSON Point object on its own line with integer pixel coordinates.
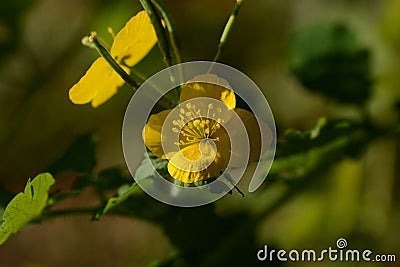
{"type": "Point", "coordinates": [135, 40]}
{"type": "Point", "coordinates": [191, 165]}
{"type": "Point", "coordinates": [207, 85]}
{"type": "Point", "coordinates": [223, 143]}
{"type": "Point", "coordinates": [152, 133]}
{"type": "Point", "coordinates": [99, 84]}
{"type": "Point", "coordinates": [254, 135]}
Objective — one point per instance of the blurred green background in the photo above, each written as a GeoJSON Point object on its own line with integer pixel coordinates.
{"type": "Point", "coordinates": [300, 53]}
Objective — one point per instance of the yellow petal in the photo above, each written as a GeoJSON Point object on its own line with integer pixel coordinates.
{"type": "Point", "coordinates": [191, 165]}
{"type": "Point", "coordinates": [223, 143]}
{"type": "Point", "coordinates": [135, 40]}
{"type": "Point", "coordinates": [152, 133]}
{"type": "Point", "coordinates": [99, 84]}
{"type": "Point", "coordinates": [205, 86]}
{"type": "Point", "coordinates": [254, 136]}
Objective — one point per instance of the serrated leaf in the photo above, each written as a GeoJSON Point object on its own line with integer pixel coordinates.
{"type": "Point", "coordinates": [26, 206]}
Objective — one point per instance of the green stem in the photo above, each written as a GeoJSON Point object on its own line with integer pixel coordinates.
{"type": "Point", "coordinates": [169, 23]}
{"type": "Point", "coordinates": [163, 43]}
{"type": "Point", "coordinates": [111, 61]}
{"type": "Point", "coordinates": [228, 29]}
{"type": "Point", "coordinates": [51, 214]}
{"type": "Point", "coordinates": [172, 39]}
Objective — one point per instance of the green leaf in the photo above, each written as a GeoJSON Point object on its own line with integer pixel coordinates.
{"type": "Point", "coordinates": [80, 156]}
{"type": "Point", "coordinates": [26, 206]}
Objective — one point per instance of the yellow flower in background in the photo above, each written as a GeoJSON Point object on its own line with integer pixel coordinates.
{"type": "Point", "coordinates": [131, 44]}
{"type": "Point", "coordinates": [203, 148]}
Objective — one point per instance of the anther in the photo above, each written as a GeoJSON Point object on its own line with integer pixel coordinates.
{"type": "Point", "coordinates": [196, 123]}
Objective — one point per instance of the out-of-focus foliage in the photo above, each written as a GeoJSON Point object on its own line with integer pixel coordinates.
{"type": "Point", "coordinates": [79, 157]}
{"type": "Point", "coordinates": [328, 60]}
{"type": "Point", "coordinates": [10, 28]}
{"type": "Point", "coordinates": [391, 23]}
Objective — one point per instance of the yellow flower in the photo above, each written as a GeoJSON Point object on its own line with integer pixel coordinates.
{"type": "Point", "coordinates": [130, 45]}
{"type": "Point", "coordinates": [192, 136]}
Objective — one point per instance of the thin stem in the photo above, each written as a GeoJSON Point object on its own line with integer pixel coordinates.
{"type": "Point", "coordinates": [229, 178]}
{"type": "Point", "coordinates": [228, 29]}
{"type": "Point", "coordinates": [172, 39]}
{"type": "Point", "coordinates": [163, 43]}
{"type": "Point", "coordinates": [169, 23]}
{"type": "Point", "coordinates": [51, 214]}
{"type": "Point", "coordinates": [239, 191]}
{"type": "Point", "coordinates": [111, 61]}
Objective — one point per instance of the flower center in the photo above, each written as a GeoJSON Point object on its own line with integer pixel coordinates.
{"type": "Point", "coordinates": [197, 123]}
